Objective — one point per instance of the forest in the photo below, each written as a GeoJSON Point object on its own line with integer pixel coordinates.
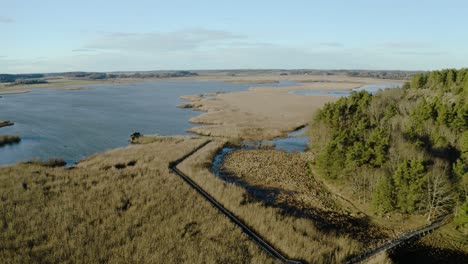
{"type": "Point", "coordinates": [401, 150]}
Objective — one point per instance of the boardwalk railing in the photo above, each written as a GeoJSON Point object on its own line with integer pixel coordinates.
{"type": "Point", "coordinates": [400, 240]}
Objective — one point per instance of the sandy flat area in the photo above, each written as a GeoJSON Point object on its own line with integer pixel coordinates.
{"type": "Point", "coordinates": [267, 112]}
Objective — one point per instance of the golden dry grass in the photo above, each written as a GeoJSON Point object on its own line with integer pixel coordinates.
{"type": "Point", "coordinates": [255, 114]}
{"type": "Point", "coordinates": [381, 258]}
{"type": "Point", "coordinates": [121, 206]}
{"type": "Point", "coordinates": [297, 237]}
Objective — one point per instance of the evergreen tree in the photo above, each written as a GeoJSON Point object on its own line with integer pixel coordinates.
{"type": "Point", "coordinates": [410, 178]}
{"type": "Point", "coordinates": [383, 198]}
{"type": "Point", "coordinates": [419, 80]}
{"type": "Point", "coordinates": [450, 80]}
{"type": "Point", "coordinates": [461, 218]}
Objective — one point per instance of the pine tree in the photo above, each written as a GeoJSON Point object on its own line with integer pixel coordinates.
{"type": "Point", "coordinates": [383, 198]}
{"type": "Point", "coordinates": [461, 218]}
{"type": "Point", "coordinates": [419, 81]}
{"type": "Point", "coordinates": [450, 80]}
{"type": "Point", "coordinates": [410, 179]}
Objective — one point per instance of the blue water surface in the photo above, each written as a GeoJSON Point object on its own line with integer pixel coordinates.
{"type": "Point", "coordinates": [72, 124]}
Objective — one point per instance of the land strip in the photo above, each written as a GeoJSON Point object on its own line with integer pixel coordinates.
{"type": "Point", "coordinates": [6, 123]}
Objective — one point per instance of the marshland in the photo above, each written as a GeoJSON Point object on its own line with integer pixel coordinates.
{"type": "Point", "coordinates": [233, 132]}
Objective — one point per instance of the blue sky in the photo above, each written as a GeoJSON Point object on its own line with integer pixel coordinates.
{"type": "Point", "coordinates": [54, 36]}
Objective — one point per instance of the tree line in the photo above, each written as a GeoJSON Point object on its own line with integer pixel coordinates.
{"type": "Point", "coordinates": [103, 75]}
{"type": "Point", "coordinates": [403, 150]}
{"type": "Point", "coordinates": [9, 78]}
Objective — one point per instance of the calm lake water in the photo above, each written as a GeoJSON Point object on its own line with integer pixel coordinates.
{"type": "Point", "coordinates": [74, 124]}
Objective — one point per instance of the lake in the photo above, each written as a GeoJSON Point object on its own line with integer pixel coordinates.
{"type": "Point", "coordinates": [72, 124]}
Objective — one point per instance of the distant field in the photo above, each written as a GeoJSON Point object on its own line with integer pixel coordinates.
{"type": "Point", "coordinates": [63, 80]}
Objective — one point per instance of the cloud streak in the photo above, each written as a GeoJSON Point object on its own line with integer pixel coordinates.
{"type": "Point", "coordinates": [6, 20]}
{"type": "Point", "coordinates": [406, 45]}
{"type": "Point", "coordinates": [188, 39]}
{"type": "Point", "coordinates": [331, 44]}
{"type": "Point", "coordinates": [423, 53]}
{"type": "Point", "coordinates": [83, 50]}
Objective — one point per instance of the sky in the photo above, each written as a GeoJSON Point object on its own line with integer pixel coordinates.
{"type": "Point", "coordinates": [139, 35]}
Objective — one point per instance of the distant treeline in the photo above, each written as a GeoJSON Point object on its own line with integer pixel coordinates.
{"type": "Point", "coordinates": [8, 78]}
{"type": "Point", "coordinates": [33, 78]}
{"type": "Point", "coordinates": [382, 74]}
{"type": "Point", "coordinates": [403, 150]}
{"type": "Point", "coordinates": [27, 81]}
{"type": "Point", "coordinates": [399, 75]}
{"type": "Point", "coordinates": [102, 75]}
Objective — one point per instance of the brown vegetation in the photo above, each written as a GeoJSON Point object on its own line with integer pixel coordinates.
{"type": "Point", "coordinates": [9, 139]}
{"type": "Point", "coordinates": [286, 180]}
{"type": "Point", "coordinates": [296, 236]}
{"type": "Point", "coordinates": [6, 123]}
{"type": "Point", "coordinates": [52, 163]}
{"type": "Point", "coordinates": [122, 206]}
